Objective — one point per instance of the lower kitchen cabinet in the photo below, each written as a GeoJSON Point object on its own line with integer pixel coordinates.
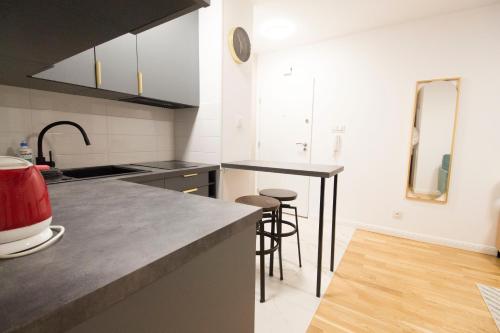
{"type": "Point", "coordinates": [202, 191]}
{"type": "Point", "coordinates": [187, 181]}
{"type": "Point", "coordinates": [155, 183]}
{"type": "Point", "coordinates": [191, 182]}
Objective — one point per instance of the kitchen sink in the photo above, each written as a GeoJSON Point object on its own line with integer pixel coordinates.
{"type": "Point", "coordinates": [100, 171]}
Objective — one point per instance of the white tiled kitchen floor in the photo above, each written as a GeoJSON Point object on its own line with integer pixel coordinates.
{"type": "Point", "coordinates": [291, 303]}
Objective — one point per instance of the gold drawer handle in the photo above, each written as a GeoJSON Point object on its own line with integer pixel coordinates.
{"type": "Point", "coordinates": [98, 76]}
{"type": "Point", "coordinates": [139, 83]}
{"type": "Point", "coordinates": [190, 175]}
{"type": "Point", "coordinates": [191, 190]}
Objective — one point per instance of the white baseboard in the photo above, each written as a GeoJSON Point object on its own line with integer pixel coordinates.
{"type": "Point", "coordinates": [491, 250]}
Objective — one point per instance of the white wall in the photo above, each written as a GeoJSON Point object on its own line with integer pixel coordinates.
{"type": "Point", "coordinates": [238, 119]}
{"type": "Point", "coordinates": [119, 132]}
{"type": "Point", "coordinates": [198, 132]}
{"type": "Point", "coordinates": [367, 82]}
{"type": "Point", "coordinates": [223, 128]}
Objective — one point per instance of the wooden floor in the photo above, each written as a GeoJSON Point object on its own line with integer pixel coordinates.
{"type": "Point", "coordinates": [390, 284]}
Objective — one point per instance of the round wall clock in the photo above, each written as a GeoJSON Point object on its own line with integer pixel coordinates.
{"type": "Point", "coordinates": [239, 45]}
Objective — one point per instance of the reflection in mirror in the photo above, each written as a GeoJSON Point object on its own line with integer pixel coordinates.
{"type": "Point", "coordinates": [431, 147]}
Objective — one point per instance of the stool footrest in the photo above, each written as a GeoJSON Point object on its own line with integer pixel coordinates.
{"type": "Point", "coordinates": [272, 249]}
{"type": "Point", "coordinates": [285, 234]}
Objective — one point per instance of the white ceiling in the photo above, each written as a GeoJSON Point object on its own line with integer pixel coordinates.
{"type": "Point", "coordinates": [316, 20]}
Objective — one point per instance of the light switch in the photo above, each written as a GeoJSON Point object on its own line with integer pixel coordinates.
{"type": "Point", "coordinates": [339, 129]}
{"type": "Point", "coordinates": [239, 122]}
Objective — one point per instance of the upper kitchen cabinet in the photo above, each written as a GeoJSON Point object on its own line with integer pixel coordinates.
{"type": "Point", "coordinates": [116, 65]}
{"type": "Point", "coordinates": [78, 69]}
{"type": "Point", "coordinates": [37, 34]}
{"type": "Point", "coordinates": [168, 61]}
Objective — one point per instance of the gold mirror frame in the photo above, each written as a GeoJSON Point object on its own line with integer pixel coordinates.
{"type": "Point", "coordinates": [421, 197]}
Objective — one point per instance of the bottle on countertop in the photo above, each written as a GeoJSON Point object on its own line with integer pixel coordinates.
{"type": "Point", "coordinates": [25, 151]}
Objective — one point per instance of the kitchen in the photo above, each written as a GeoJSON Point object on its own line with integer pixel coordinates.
{"type": "Point", "coordinates": [149, 120]}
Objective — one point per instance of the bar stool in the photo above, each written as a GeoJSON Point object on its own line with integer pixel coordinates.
{"type": "Point", "coordinates": [283, 195]}
{"type": "Point", "coordinates": [269, 206]}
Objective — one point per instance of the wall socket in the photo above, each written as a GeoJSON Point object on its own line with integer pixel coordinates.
{"type": "Point", "coordinates": [397, 215]}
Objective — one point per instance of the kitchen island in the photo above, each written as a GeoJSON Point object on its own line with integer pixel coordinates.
{"type": "Point", "coordinates": [135, 258]}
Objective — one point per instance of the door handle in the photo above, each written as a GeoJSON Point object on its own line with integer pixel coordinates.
{"type": "Point", "coordinates": [304, 145]}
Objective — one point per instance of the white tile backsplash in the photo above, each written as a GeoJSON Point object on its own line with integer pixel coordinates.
{"type": "Point", "coordinates": [9, 141]}
{"type": "Point", "coordinates": [73, 144]}
{"type": "Point", "coordinates": [15, 119]}
{"type": "Point", "coordinates": [198, 134]}
{"type": "Point", "coordinates": [119, 132]}
{"type": "Point", "coordinates": [93, 124]}
{"type": "Point", "coordinates": [44, 100]}
{"type": "Point", "coordinates": [132, 157]}
{"type": "Point", "coordinates": [165, 142]}
{"type": "Point", "coordinates": [131, 126]}
{"type": "Point", "coordinates": [121, 143]}
{"type": "Point", "coordinates": [78, 161]}
{"type": "Point", "coordinates": [15, 97]}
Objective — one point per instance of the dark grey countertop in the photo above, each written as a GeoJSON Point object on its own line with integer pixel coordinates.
{"type": "Point", "coordinates": [302, 169]}
{"type": "Point", "coordinates": [147, 174]}
{"type": "Point", "coordinates": [120, 237]}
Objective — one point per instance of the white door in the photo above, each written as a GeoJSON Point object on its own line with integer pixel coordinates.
{"type": "Point", "coordinates": [285, 120]}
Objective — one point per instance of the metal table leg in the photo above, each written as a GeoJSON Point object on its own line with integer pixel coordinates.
{"type": "Point", "coordinates": [320, 236]}
{"type": "Point", "coordinates": [334, 216]}
{"type": "Point", "coordinates": [262, 267]}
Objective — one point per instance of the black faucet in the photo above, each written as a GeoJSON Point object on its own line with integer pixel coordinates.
{"type": "Point", "coordinates": [40, 159]}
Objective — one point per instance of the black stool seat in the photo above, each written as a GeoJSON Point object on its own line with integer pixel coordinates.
{"type": "Point", "coordinates": [267, 204]}
{"type": "Point", "coordinates": [280, 194]}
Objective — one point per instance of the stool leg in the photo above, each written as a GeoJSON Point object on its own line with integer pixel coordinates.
{"type": "Point", "coordinates": [262, 268]}
{"type": "Point", "coordinates": [298, 236]}
{"type": "Point", "coordinates": [280, 218]}
{"type": "Point", "coordinates": [271, 259]}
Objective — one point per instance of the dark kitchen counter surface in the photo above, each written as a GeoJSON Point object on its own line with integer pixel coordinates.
{"type": "Point", "coordinates": [120, 237]}
{"type": "Point", "coordinates": [148, 173]}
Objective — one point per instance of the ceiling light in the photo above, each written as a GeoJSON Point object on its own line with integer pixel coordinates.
{"type": "Point", "coordinates": [277, 29]}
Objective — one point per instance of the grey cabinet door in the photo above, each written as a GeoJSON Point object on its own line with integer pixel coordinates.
{"type": "Point", "coordinates": [168, 59]}
{"type": "Point", "coordinates": [78, 69]}
{"type": "Point", "coordinates": [117, 60]}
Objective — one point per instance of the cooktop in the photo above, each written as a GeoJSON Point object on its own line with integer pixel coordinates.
{"type": "Point", "coordinates": [168, 165]}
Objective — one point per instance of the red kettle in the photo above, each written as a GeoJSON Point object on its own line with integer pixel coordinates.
{"type": "Point", "coordinates": [25, 210]}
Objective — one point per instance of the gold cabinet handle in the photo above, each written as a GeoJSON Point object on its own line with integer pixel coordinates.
{"type": "Point", "coordinates": [139, 83]}
{"type": "Point", "coordinates": [191, 190]}
{"type": "Point", "coordinates": [98, 76]}
{"type": "Point", "coordinates": [190, 175]}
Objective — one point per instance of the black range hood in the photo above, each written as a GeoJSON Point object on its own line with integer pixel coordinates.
{"type": "Point", "coordinates": [156, 102]}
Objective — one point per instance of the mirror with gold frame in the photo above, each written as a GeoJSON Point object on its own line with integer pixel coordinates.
{"type": "Point", "coordinates": [432, 139]}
